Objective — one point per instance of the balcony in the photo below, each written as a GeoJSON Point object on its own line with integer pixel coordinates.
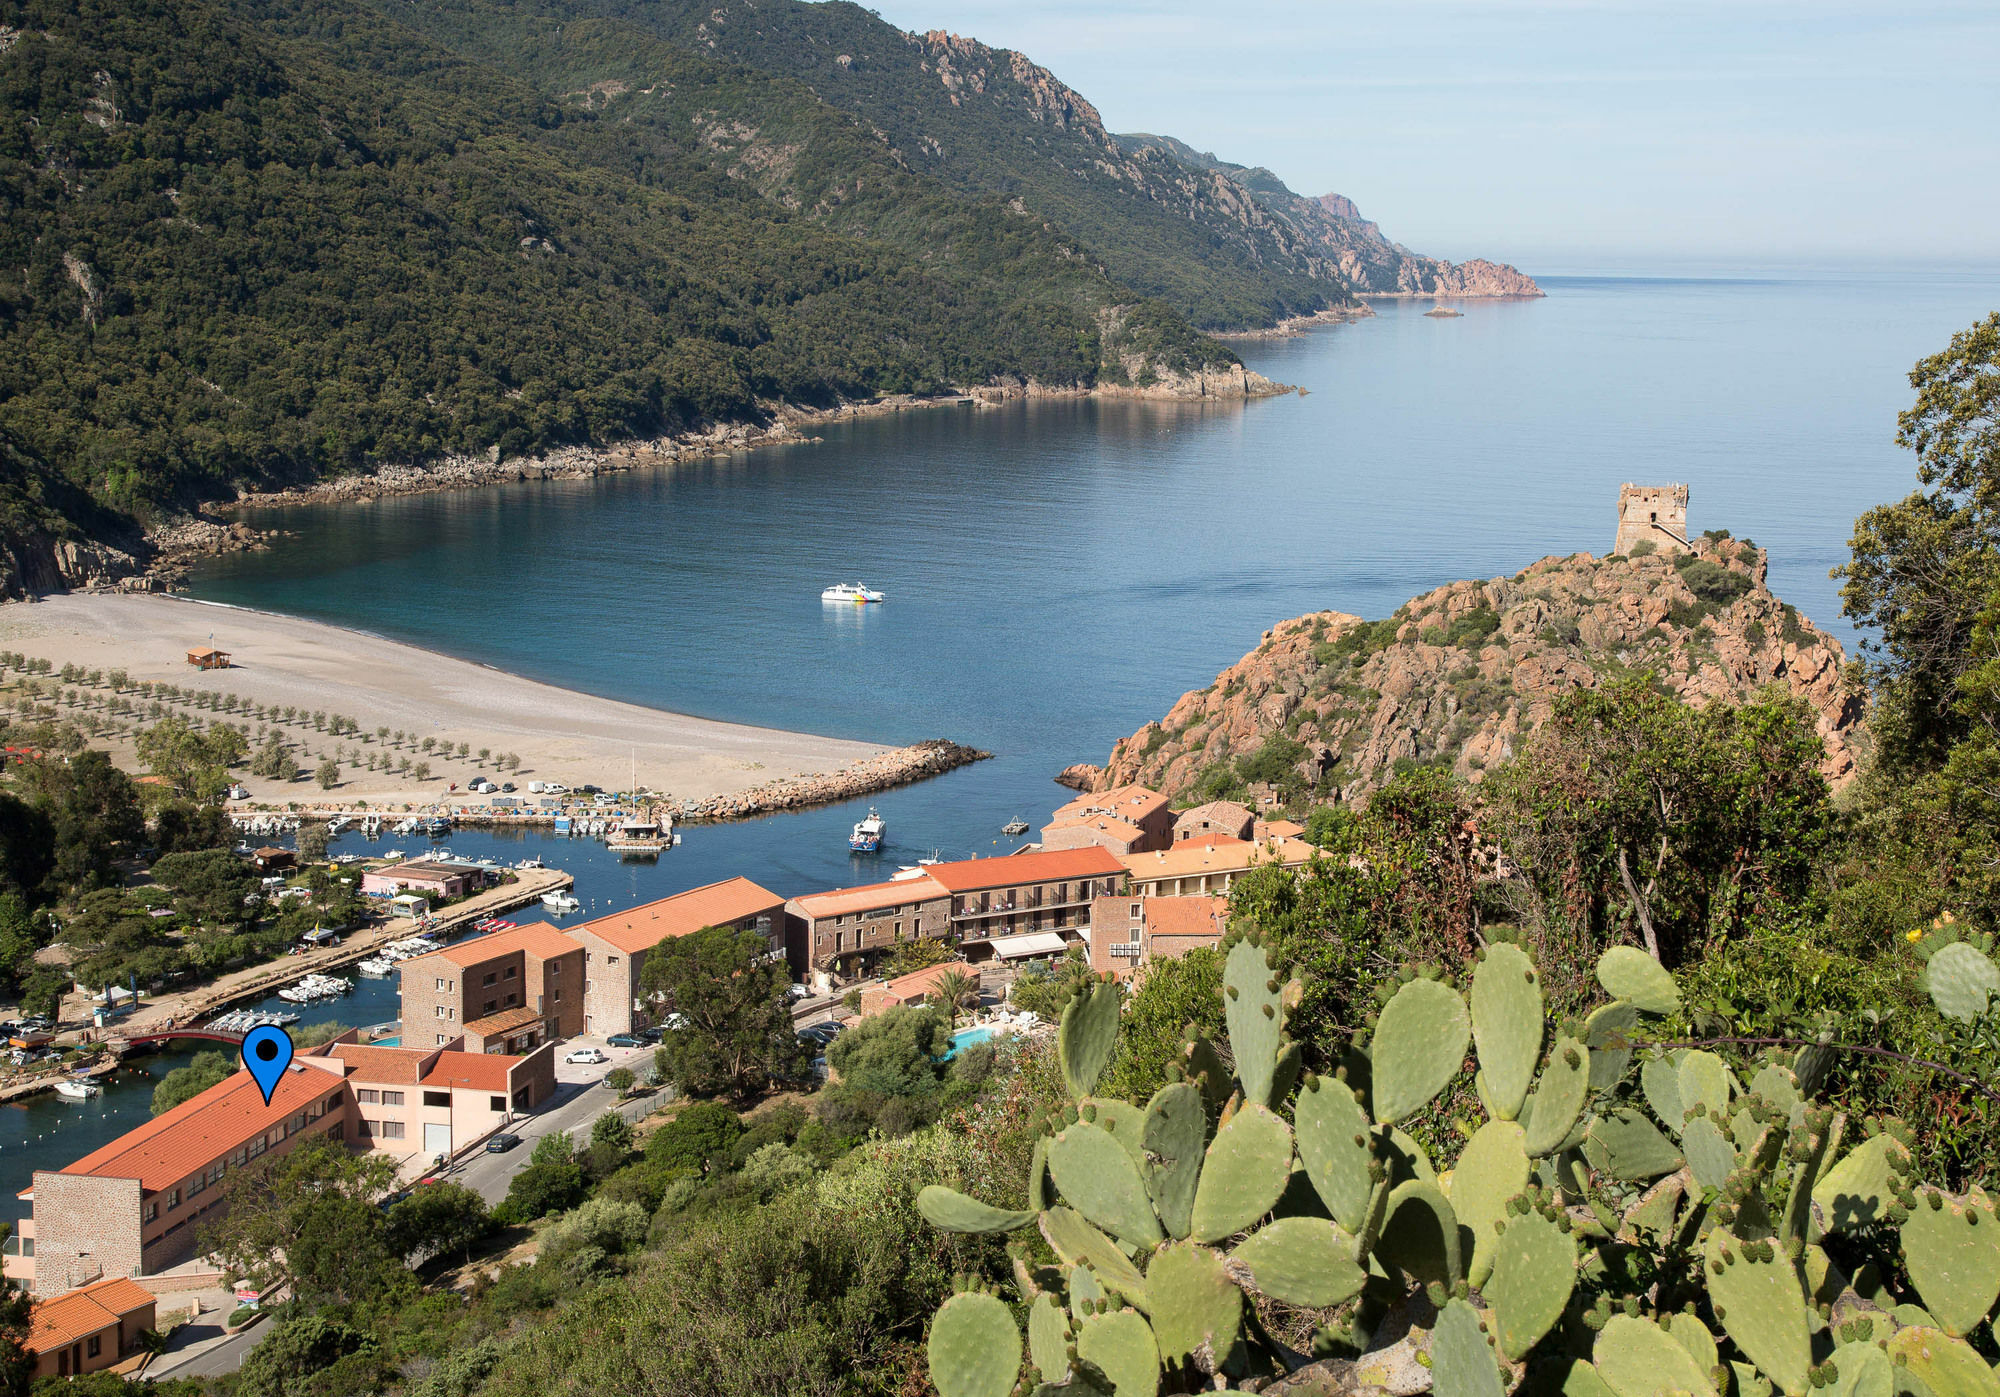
{"type": "Point", "coordinates": [1129, 950]}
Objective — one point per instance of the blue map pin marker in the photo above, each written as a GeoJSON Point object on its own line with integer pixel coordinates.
{"type": "Point", "coordinates": [267, 1051]}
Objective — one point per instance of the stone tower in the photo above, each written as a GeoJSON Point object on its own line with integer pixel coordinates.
{"type": "Point", "coordinates": [1652, 512]}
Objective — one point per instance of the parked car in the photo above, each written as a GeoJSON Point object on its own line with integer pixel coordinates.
{"type": "Point", "coordinates": [500, 1144]}
{"type": "Point", "coordinates": [507, 788]}
{"type": "Point", "coordinates": [626, 1040]}
{"type": "Point", "coordinates": [482, 787]}
{"type": "Point", "coordinates": [605, 798]}
{"type": "Point", "coordinates": [556, 788]}
{"type": "Point", "coordinates": [799, 991]}
{"type": "Point", "coordinates": [588, 790]}
{"type": "Point", "coordinates": [587, 1055]}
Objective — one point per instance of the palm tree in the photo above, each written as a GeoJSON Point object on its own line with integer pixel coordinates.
{"type": "Point", "coordinates": [955, 990]}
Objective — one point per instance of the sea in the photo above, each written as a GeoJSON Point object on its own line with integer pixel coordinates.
{"type": "Point", "coordinates": [1059, 572]}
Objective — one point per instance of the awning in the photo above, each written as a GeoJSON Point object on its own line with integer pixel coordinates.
{"type": "Point", "coordinates": [1033, 943]}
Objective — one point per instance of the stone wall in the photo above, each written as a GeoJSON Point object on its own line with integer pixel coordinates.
{"type": "Point", "coordinates": [85, 1228]}
{"type": "Point", "coordinates": [1656, 514]}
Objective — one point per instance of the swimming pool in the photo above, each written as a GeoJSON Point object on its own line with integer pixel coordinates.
{"type": "Point", "coordinates": [966, 1037]}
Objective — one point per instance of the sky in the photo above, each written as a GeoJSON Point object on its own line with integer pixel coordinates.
{"type": "Point", "coordinates": [1565, 135]}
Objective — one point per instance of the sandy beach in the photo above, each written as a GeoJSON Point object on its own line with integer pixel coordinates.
{"type": "Point", "coordinates": [277, 660]}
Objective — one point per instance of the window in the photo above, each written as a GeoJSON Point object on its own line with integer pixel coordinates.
{"type": "Point", "coordinates": [437, 1098]}
{"type": "Point", "coordinates": [200, 1183]}
{"type": "Point", "coordinates": [333, 1102]}
{"type": "Point", "coordinates": [153, 1210]}
{"type": "Point", "coordinates": [368, 1128]}
{"type": "Point", "coordinates": [491, 1005]}
{"type": "Point", "coordinates": [173, 1199]}
{"type": "Point", "coordinates": [392, 1130]}
{"type": "Point", "coordinates": [496, 1103]}
{"type": "Point", "coordinates": [555, 966]}
{"type": "Point", "coordinates": [611, 960]}
{"type": "Point", "coordinates": [93, 1346]}
{"type": "Point", "coordinates": [367, 1095]}
{"type": "Point", "coordinates": [441, 984]}
{"type": "Point", "coordinates": [490, 978]}
{"type": "Point", "coordinates": [1135, 912]}
{"type": "Point", "coordinates": [440, 1013]}
{"type": "Point", "coordinates": [512, 1000]}
{"type": "Point", "coordinates": [392, 1098]}
{"type": "Point", "coordinates": [441, 1038]}
{"type": "Point", "coordinates": [257, 1147]}
{"type": "Point", "coordinates": [512, 971]}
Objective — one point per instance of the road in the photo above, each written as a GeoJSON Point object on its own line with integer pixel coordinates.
{"type": "Point", "coordinates": [579, 1100]}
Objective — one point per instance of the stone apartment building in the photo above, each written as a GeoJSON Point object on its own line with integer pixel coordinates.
{"type": "Point", "coordinates": [1209, 865]}
{"type": "Point", "coordinates": [133, 1207]}
{"type": "Point", "coordinates": [508, 992]}
{"type": "Point", "coordinates": [1129, 931]}
{"type": "Point", "coordinates": [615, 947]}
{"type": "Point", "coordinates": [1029, 904]}
{"type": "Point", "coordinates": [847, 930]}
{"type": "Point", "coordinates": [1224, 817]}
{"type": "Point", "coordinates": [1128, 820]}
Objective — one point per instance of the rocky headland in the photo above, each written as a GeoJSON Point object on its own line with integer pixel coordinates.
{"type": "Point", "coordinates": [1463, 673]}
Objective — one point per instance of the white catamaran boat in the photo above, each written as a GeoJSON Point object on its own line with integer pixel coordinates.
{"type": "Point", "coordinates": [76, 1089]}
{"type": "Point", "coordinates": [849, 592]}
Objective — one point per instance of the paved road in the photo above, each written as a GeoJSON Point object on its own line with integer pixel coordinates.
{"type": "Point", "coordinates": [212, 1361]}
{"type": "Point", "coordinates": [579, 1100]}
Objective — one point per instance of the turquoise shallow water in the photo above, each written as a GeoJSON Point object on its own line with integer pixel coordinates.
{"type": "Point", "coordinates": [1061, 572]}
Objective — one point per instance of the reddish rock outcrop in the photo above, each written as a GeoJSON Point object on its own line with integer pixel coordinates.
{"type": "Point", "coordinates": [1466, 671]}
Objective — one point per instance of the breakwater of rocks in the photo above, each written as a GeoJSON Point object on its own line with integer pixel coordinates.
{"type": "Point", "coordinates": [881, 772]}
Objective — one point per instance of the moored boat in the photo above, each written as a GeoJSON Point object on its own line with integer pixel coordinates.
{"type": "Point", "coordinates": [868, 833]}
{"type": "Point", "coordinates": [850, 592]}
{"type": "Point", "coordinates": [76, 1089]}
{"type": "Point", "coordinates": [559, 901]}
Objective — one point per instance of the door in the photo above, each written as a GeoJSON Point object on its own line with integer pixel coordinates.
{"type": "Point", "coordinates": [437, 1138]}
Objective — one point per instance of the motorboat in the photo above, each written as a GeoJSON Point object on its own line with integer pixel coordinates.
{"type": "Point", "coordinates": [377, 967]}
{"type": "Point", "coordinates": [853, 592]}
{"type": "Point", "coordinates": [559, 901]}
{"type": "Point", "coordinates": [867, 836]}
{"type": "Point", "coordinates": [77, 1089]}
{"type": "Point", "coordinates": [1014, 827]}
{"type": "Point", "coordinates": [316, 987]}
{"type": "Point", "coordinates": [639, 839]}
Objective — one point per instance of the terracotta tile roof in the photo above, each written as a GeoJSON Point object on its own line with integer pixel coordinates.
{"type": "Point", "coordinates": [1111, 824]}
{"type": "Point", "coordinates": [1186, 916]}
{"type": "Point", "coordinates": [202, 1129]}
{"type": "Point", "coordinates": [1279, 829]}
{"type": "Point", "coordinates": [1037, 866]}
{"type": "Point", "coordinates": [918, 983]}
{"type": "Point", "coordinates": [642, 928]}
{"type": "Point", "coordinates": [79, 1313]}
{"type": "Point", "coordinates": [536, 938]}
{"type": "Point", "coordinates": [472, 1071]}
{"type": "Point", "coordinates": [366, 1063]}
{"type": "Point", "coordinates": [1216, 854]}
{"type": "Point", "coordinates": [506, 1021]}
{"type": "Point", "coordinates": [1133, 803]}
{"type": "Point", "coordinates": [1225, 813]}
{"type": "Point", "coordinates": [869, 897]}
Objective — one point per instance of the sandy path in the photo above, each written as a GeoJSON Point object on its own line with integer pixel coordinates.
{"type": "Point", "coordinates": [560, 735]}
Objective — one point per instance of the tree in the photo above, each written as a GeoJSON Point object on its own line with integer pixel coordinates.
{"type": "Point", "coordinates": [94, 808]}
{"type": "Point", "coordinates": [186, 1083]}
{"type": "Point", "coordinates": [611, 1129]}
{"type": "Point", "coordinates": [954, 990]}
{"type": "Point", "coordinates": [899, 1052]}
{"type": "Point", "coordinates": [422, 771]}
{"type": "Point", "coordinates": [300, 1348]}
{"type": "Point", "coordinates": [701, 1132]}
{"type": "Point", "coordinates": [620, 1080]}
{"type": "Point", "coordinates": [27, 848]}
{"type": "Point", "coordinates": [195, 761]}
{"type": "Point", "coordinates": [328, 773]}
{"type": "Point", "coordinates": [552, 1182]}
{"type": "Point", "coordinates": [307, 1218]}
{"type": "Point", "coordinates": [1171, 994]}
{"type": "Point", "coordinates": [436, 1219]}
{"type": "Point", "coordinates": [312, 842]}
{"type": "Point", "coordinates": [180, 825]}
{"type": "Point", "coordinates": [919, 954]}
{"type": "Point", "coordinates": [734, 1031]}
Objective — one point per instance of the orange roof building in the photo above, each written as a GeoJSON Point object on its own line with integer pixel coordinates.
{"type": "Point", "coordinates": [88, 1329]}
{"type": "Point", "coordinates": [917, 987]}
{"type": "Point", "coordinates": [1128, 820]}
{"type": "Point", "coordinates": [615, 946]}
{"type": "Point", "coordinates": [1210, 864]}
{"type": "Point", "coordinates": [1129, 931]}
{"type": "Point", "coordinates": [471, 990]}
{"type": "Point", "coordinates": [1028, 905]}
{"type": "Point", "coordinates": [847, 930]}
{"type": "Point", "coordinates": [1216, 817]}
{"type": "Point", "coordinates": [133, 1207]}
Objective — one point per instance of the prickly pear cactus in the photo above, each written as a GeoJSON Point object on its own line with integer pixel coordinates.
{"type": "Point", "coordinates": [1626, 1221]}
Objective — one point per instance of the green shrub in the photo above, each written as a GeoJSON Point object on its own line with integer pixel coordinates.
{"type": "Point", "coordinates": [1711, 582]}
{"type": "Point", "coordinates": [1644, 548]}
{"type": "Point", "coordinates": [702, 1132]}
{"type": "Point", "coordinates": [1470, 631]}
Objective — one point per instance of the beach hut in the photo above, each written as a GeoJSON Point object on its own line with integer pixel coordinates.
{"type": "Point", "coordinates": [208, 657]}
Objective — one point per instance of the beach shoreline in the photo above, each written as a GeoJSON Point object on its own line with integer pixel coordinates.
{"type": "Point", "coordinates": [431, 704]}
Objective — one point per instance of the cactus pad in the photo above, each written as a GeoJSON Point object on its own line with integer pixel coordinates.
{"type": "Point", "coordinates": [951, 1211]}
{"type": "Point", "coordinates": [1333, 1145]}
{"type": "Point", "coordinates": [1253, 1004]}
{"type": "Point", "coordinates": [1953, 1254]}
{"type": "Point", "coordinates": [1491, 1170]}
{"type": "Point", "coordinates": [1660, 1080]}
{"type": "Point", "coordinates": [1245, 1170]}
{"type": "Point", "coordinates": [1962, 982]}
{"type": "Point", "coordinates": [1550, 1113]}
{"type": "Point", "coordinates": [1086, 1036]}
{"type": "Point", "coordinates": [1947, 1367]}
{"type": "Point", "coordinates": [1779, 1086]}
{"type": "Point", "coordinates": [1123, 1121]}
{"type": "Point", "coordinates": [1084, 1291]}
{"type": "Point", "coordinates": [975, 1348]}
{"type": "Point", "coordinates": [1627, 1146]}
{"type": "Point", "coordinates": [1704, 1082]}
{"type": "Point", "coordinates": [1861, 1187]}
{"type": "Point", "coordinates": [1121, 1345]}
{"type": "Point", "coordinates": [1302, 1261]}
{"type": "Point", "coordinates": [1197, 1310]}
{"type": "Point", "coordinates": [1204, 1066]}
{"type": "Point", "coordinates": [1691, 1334]}
{"type": "Point", "coordinates": [1637, 1358]}
{"type": "Point", "coordinates": [1080, 1244]}
{"type": "Point", "coordinates": [1628, 973]}
{"type": "Point", "coordinates": [1098, 1177]}
{"type": "Point", "coordinates": [1862, 1370]}
{"type": "Point", "coordinates": [1175, 1131]}
{"type": "Point", "coordinates": [1461, 1363]}
{"type": "Point", "coordinates": [1507, 1026]}
{"type": "Point", "coordinates": [1048, 1337]}
{"type": "Point", "coordinates": [1711, 1155]}
{"type": "Point", "coordinates": [1419, 1046]}
{"type": "Point", "coordinates": [1608, 1034]}
{"type": "Point", "coordinates": [1420, 1234]}
{"type": "Point", "coordinates": [1534, 1271]}
{"type": "Point", "coordinates": [1759, 1300]}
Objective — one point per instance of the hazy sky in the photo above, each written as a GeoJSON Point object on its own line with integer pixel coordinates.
{"type": "Point", "coordinates": [1571, 133]}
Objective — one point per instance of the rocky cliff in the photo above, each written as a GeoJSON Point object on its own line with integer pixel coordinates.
{"type": "Point", "coordinates": [1461, 674]}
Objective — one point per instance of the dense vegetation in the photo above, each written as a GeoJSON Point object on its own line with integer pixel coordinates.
{"type": "Point", "coordinates": [255, 244]}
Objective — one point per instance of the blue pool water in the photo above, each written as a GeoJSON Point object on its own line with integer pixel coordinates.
{"type": "Point", "coordinates": [966, 1037]}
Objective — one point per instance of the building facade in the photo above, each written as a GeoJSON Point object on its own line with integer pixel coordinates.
{"type": "Point", "coordinates": [615, 947]}
{"type": "Point", "coordinates": [846, 931]}
{"type": "Point", "coordinates": [1029, 904]}
{"type": "Point", "coordinates": [1223, 817]}
{"type": "Point", "coordinates": [1127, 932]}
{"type": "Point", "coordinates": [432, 880]}
{"type": "Point", "coordinates": [1656, 514]}
{"type": "Point", "coordinates": [1128, 820]}
{"type": "Point", "coordinates": [478, 990]}
{"type": "Point", "coordinates": [1210, 865]}
{"type": "Point", "coordinates": [132, 1207]}
{"type": "Point", "coordinates": [917, 987]}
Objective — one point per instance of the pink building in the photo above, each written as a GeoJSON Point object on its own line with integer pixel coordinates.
{"type": "Point", "coordinates": [436, 880]}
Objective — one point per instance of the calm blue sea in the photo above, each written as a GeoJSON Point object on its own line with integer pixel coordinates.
{"type": "Point", "coordinates": [1060, 572]}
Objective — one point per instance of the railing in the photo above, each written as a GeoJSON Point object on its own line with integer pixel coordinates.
{"type": "Point", "coordinates": [1128, 949]}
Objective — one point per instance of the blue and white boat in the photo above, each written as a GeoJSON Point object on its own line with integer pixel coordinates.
{"type": "Point", "coordinates": [867, 836]}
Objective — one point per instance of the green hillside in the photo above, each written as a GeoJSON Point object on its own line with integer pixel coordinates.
{"type": "Point", "coordinates": [254, 244]}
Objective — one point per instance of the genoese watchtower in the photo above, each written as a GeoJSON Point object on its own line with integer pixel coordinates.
{"type": "Point", "coordinates": [1652, 513]}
